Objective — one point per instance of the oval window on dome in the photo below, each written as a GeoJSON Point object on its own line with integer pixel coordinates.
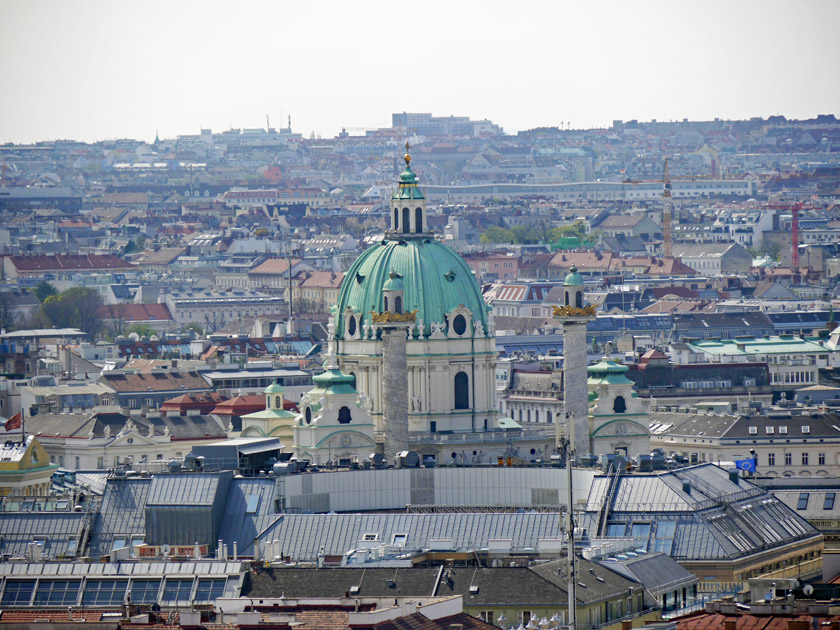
{"type": "Point", "coordinates": [308, 415]}
{"type": "Point", "coordinates": [459, 325]}
{"type": "Point", "coordinates": [351, 326]}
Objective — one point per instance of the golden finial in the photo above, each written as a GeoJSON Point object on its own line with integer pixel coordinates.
{"type": "Point", "coordinates": [407, 157]}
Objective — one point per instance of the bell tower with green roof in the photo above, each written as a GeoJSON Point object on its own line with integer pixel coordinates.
{"type": "Point", "coordinates": [408, 205]}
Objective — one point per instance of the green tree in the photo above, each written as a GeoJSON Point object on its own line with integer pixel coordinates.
{"type": "Point", "coordinates": [43, 290]}
{"type": "Point", "coordinates": [497, 234]}
{"type": "Point", "coordinates": [79, 307]}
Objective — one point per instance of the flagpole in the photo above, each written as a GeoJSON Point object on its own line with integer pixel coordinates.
{"type": "Point", "coordinates": [22, 426]}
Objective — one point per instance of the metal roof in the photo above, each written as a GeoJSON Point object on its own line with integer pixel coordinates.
{"type": "Point", "coordinates": [184, 489]}
{"type": "Point", "coordinates": [300, 536]}
{"type": "Point", "coordinates": [59, 531]}
{"type": "Point", "coordinates": [122, 512]}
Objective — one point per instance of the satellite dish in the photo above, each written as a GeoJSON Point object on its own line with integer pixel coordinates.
{"type": "Point", "coordinates": [808, 590]}
{"type": "Point", "coordinates": [165, 549]}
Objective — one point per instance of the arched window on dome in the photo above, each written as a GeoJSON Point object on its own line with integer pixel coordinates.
{"type": "Point", "coordinates": [386, 302]}
{"type": "Point", "coordinates": [566, 293]}
{"type": "Point", "coordinates": [462, 391]}
{"type": "Point", "coordinates": [398, 305]}
{"type": "Point", "coordinates": [406, 221]}
{"type": "Point", "coordinates": [579, 299]}
{"type": "Point", "coordinates": [278, 402]}
{"type": "Point", "coordinates": [344, 415]}
{"type": "Point", "coordinates": [418, 220]}
{"type": "Point", "coordinates": [396, 225]}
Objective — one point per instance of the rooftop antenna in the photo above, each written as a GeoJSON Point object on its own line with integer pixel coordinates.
{"type": "Point", "coordinates": [267, 125]}
{"type": "Point", "coordinates": [290, 122]}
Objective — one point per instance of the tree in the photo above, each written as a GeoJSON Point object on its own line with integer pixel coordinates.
{"type": "Point", "coordinates": [214, 321]}
{"type": "Point", "coordinates": [497, 234]}
{"type": "Point", "coordinates": [7, 314]}
{"type": "Point", "coordinates": [43, 290]}
{"type": "Point", "coordinates": [79, 307]}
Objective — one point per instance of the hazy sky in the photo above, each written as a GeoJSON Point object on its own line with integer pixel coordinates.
{"type": "Point", "coordinates": [91, 70]}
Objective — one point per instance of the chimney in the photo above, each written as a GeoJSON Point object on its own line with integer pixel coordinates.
{"type": "Point", "coordinates": [686, 485]}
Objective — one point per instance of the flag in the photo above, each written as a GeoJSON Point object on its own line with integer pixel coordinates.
{"type": "Point", "coordinates": [14, 423]}
{"type": "Point", "coordinates": [745, 464]}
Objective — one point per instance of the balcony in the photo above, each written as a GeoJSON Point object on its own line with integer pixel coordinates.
{"type": "Point", "coordinates": [494, 437]}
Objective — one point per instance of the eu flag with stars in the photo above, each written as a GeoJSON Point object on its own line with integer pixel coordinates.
{"type": "Point", "coordinates": [745, 464]}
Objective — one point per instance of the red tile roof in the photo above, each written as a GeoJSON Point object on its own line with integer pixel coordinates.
{"type": "Point", "coordinates": [138, 312]}
{"type": "Point", "coordinates": [241, 405]}
{"type": "Point", "coordinates": [323, 279]}
{"type": "Point", "coordinates": [715, 621]}
{"type": "Point", "coordinates": [274, 265]}
{"type": "Point", "coordinates": [154, 381]}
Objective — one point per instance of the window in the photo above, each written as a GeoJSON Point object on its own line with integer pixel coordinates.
{"type": "Point", "coordinates": [828, 504]}
{"type": "Point", "coordinates": [144, 591]}
{"type": "Point", "coordinates": [400, 540]}
{"type": "Point", "coordinates": [804, 459]}
{"type": "Point", "coordinates": [418, 220]}
{"type": "Point", "coordinates": [486, 616]}
{"type": "Point", "coordinates": [177, 590]}
{"type": "Point", "coordinates": [782, 429]}
{"type": "Point", "coordinates": [344, 415]}
{"type": "Point", "coordinates": [104, 592]}
{"type": "Point", "coordinates": [57, 592]}
{"type": "Point", "coordinates": [768, 430]}
{"type": "Point", "coordinates": [462, 390]}
{"type": "Point", "coordinates": [753, 430]}
{"type": "Point", "coordinates": [396, 219]}
{"type": "Point", "coordinates": [803, 501]}
{"type": "Point", "coordinates": [253, 504]}
{"type": "Point", "coordinates": [370, 537]}
{"type": "Point", "coordinates": [806, 429]}
{"type": "Point", "coordinates": [18, 592]}
{"type": "Point", "coordinates": [406, 220]}
{"type": "Point", "coordinates": [209, 590]}
{"type": "Point", "coordinates": [788, 459]}
{"type": "Point", "coordinates": [278, 402]}
{"type": "Point", "coordinates": [459, 325]}
{"type": "Point", "coordinates": [619, 405]}
{"type": "Point", "coordinates": [308, 415]}
{"type": "Point", "coordinates": [771, 459]}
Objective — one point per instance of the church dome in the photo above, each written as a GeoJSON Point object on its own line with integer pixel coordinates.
{"type": "Point", "coordinates": [435, 279]}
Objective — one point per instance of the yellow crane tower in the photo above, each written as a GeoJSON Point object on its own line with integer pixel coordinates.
{"type": "Point", "coordinates": [666, 212]}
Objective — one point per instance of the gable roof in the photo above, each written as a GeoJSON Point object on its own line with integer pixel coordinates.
{"type": "Point", "coordinates": [126, 382]}
{"type": "Point", "coordinates": [69, 262]}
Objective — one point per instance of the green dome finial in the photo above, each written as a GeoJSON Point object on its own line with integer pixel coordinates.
{"type": "Point", "coordinates": [573, 278]}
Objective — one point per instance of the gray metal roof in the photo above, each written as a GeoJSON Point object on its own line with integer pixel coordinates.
{"type": "Point", "coordinates": [658, 572]}
{"type": "Point", "coordinates": [302, 535]}
{"type": "Point", "coordinates": [184, 489]}
{"type": "Point", "coordinates": [712, 518]}
{"type": "Point", "coordinates": [59, 531]}
{"type": "Point", "coordinates": [123, 512]}
{"type": "Point", "coordinates": [241, 525]}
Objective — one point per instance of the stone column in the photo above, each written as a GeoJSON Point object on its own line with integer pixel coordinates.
{"type": "Point", "coordinates": [575, 390]}
{"type": "Point", "coordinates": [395, 391]}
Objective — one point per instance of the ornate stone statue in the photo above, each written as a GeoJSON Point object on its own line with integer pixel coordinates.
{"type": "Point", "coordinates": [479, 328]}
{"type": "Point", "coordinates": [416, 403]}
{"type": "Point", "coordinates": [491, 324]}
{"type": "Point", "coordinates": [331, 328]}
{"type": "Point", "coordinates": [437, 330]}
{"type": "Point", "coordinates": [421, 328]}
{"type": "Point", "coordinates": [107, 431]}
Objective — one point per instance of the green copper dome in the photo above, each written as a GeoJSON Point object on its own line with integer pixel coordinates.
{"type": "Point", "coordinates": [573, 279]}
{"type": "Point", "coordinates": [274, 388]}
{"type": "Point", "coordinates": [609, 372]}
{"type": "Point", "coordinates": [435, 281]}
{"type": "Point", "coordinates": [407, 187]}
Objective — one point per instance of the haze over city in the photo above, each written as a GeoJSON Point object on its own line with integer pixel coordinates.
{"type": "Point", "coordinates": [97, 70]}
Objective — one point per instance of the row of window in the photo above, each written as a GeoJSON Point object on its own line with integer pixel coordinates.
{"type": "Point", "coordinates": [793, 377]}
{"type": "Point", "coordinates": [771, 459]}
{"type": "Point", "coordinates": [753, 430]}
{"type": "Point", "coordinates": [110, 592]}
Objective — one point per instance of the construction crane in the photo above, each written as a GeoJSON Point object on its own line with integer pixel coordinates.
{"type": "Point", "coordinates": [666, 212]}
{"type": "Point", "coordinates": [794, 208]}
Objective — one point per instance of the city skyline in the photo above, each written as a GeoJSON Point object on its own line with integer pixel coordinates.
{"type": "Point", "coordinates": [81, 74]}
